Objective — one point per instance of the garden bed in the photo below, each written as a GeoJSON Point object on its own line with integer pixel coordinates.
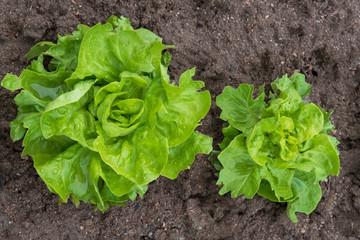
{"type": "Point", "coordinates": [230, 42]}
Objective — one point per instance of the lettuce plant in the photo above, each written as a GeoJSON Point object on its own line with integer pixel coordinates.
{"type": "Point", "coordinates": [101, 119]}
{"type": "Point", "coordinates": [279, 148]}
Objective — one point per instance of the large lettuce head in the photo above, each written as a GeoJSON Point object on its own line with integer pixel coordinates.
{"type": "Point", "coordinates": [102, 119]}
{"type": "Point", "coordinates": [278, 149]}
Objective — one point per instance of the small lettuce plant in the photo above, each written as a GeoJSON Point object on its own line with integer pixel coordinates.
{"type": "Point", "coordinates": [279, 149]}
{"type": "Point", "coordinates": [101, 120]}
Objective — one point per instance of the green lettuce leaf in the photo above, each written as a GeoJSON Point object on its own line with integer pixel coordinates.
{"type": "Point", "coordinates": [241, 175]}
{"type": "Point", "coordinates": [308, 122]}
{"type": "Point", "coordinates": [280, 181]}
{"type": "Point", "coordinates": [139, 157]}
{"type": "Point", "coordinates": [328, 126]}
{"type": "Point", "coordinates": [27, 104]}
{"type": "Point", "coordinates": [66, 116]}
{"type": "Point", "coordinates": [184, 106]}
{"type": "Point", "coordinates": [41, 83]}
{"type": "Point", "coordinates": [119, 24]}
{"type": "Point", "coordinates": [308, 193]}
{"type": "Point", "coordinates": [11, 82]}
{"type": "Point", "coordinates": [238, 106]}
{"type": "Point", "coordinates": [39, 48]}
{"type": "Point", "coordinates": [319, 156]}
{"type": "Point", "coordinates": [34, 142]}
{"type": "Point", "coordinates": [77, 172]}
{"type": "Point", "coordinates": [260, 146]}
{"type": "Point", "coordinates": [181, 156]}
{"type": "Point", "coordinates": [229, 134]}
{"type": "Point", "coordinates": [299, 83]}
{"type": "Point", "coordinates": [115, 53]}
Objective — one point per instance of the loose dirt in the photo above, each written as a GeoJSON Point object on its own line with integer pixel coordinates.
{"type": "Point", "coordinates": [230, 42]}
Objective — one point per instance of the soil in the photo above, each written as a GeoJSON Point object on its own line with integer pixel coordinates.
{"type": "Point", "coordinates": [230, 42]}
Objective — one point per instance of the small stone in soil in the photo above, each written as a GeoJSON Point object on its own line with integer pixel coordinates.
{"type": "Point", "coordinates": [232, 67]}
{"type": "Point", "coordinates": [27, 224]}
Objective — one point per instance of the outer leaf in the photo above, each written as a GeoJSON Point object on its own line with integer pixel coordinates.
{"type": "Point", "coordinates": [308, 192]}
{"type": "Point", "coordinates": [122, 51]}
{"type": "Point", "coordinates": [11, 82]}
{"type": "Point", "coordinates": [335, 143]}
{"type": "Point", "coordinates": [17, 130]}
{"type": "Point", "coordinates": [215, 161]}
{"type": "Point", "coordinates": [27, 104]}
{"type": "Point", "coordinates": [183, 108]}
{"type": "Point", "coordinates": [110, 199]}
{"type": "Point", "coordinates": [238, 107]}
{"type": "Point", "coordinates": [38, 49]}
{"type": "Point", "coordinates": [280, 181]}
{"type": "Point", "coordinates": [328, 126]}
{"type": "Point", "coordinates": [94, 61]}
{"type": "Point", "coordinates": [299, 83]}
{"type": "Point", "coordinates": [119, 24]}
{"type": "Point", "coordinates": [283, 84]}
{"type": "Point", "coordinates": [266, 191]}
{"type": "Point", "coordinates": [166, 59]}
{"type": "Point", "coordinates": [288, 85]}
{"type": "Point", "coordinates": [66, 116]}
{"type": "Point", "coordinates": [34, 141]}
{"type": "Point", "coordinates": [181, 156]}
{"type": "Point", "coordinates": [77, 172]}
{"type": "Point", "coordinates": [68, 173]}
{"type": "Point", "coordinates": [229, 134]}
{"type": "Point", "coordinates": [139, 157]}
{"type": "Point", "coordinates": [318, 155]}
{"type": "Point", "coordinates": [27, 99]}
{"type": "Point", "coordinates": [141, 190]}
{"type": "Point", "coordinates": [43, 84]}
{"type": "Point", "coordinates": [134, 54]}
{"type": "Point", "coordinates": [65, 52]}
{"type": "Point", "coordinates": [287, 101]}
{"type": "Point", "coordinates": [118, 184]}
{"type": "Point", "coordinates": [241, 175]}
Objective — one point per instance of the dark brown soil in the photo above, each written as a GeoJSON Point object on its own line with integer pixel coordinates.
{"type": "Point", "coordinates": [230, 42]}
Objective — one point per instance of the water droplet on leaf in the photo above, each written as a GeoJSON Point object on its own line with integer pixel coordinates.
{"type": "Point", "coordinates": [62, 110]}
{"type": "Point", "coordinates": [68, 155]}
